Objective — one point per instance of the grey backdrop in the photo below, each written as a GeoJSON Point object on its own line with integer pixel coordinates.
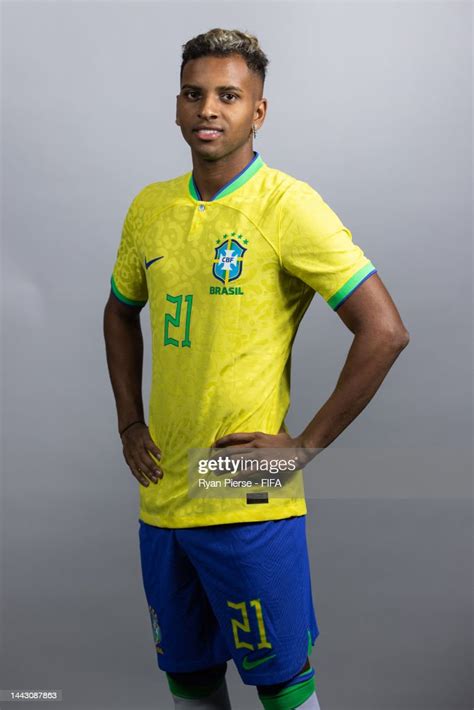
{"type": "Point", "coordinates": [371, 104]}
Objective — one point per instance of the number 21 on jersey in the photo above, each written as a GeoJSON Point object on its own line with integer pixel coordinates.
{"type": "Point", "coordinates": [173, 322]}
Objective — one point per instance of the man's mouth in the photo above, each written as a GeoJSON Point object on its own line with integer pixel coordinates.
{"type": "Point", "coordinates": [207, 133]}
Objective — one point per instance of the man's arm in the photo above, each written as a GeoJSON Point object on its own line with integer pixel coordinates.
{"type": "Point", "coordinates": [379, 338]}
{"type": "Point", "coordinates": [124, 350]}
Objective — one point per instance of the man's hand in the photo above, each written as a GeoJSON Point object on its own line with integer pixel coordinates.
{"type": "Point", "coordinates": [255, 440]}
{"type": "Point", "coordinates": [245, 443]}
{"type": "Point", "coordinates": [137, 446]}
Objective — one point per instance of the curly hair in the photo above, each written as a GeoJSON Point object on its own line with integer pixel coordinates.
{"type": "Point", "coordinates": [221, 43]}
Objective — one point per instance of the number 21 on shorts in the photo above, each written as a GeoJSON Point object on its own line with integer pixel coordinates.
{"type": "Point", "coordinates": [243, 624]}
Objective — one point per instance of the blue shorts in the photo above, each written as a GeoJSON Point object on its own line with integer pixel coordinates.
{"type": "Point", "coordinates": [238, 591]}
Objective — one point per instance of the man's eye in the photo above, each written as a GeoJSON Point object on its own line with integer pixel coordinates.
{"type": "Point", "coordinates": [193, 94]}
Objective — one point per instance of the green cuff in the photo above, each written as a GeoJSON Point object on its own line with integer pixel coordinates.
{"type": "Point", "coordinates": [356, 280]}
{"type": "Point", "coordinates": [187, 690]}
{"type": "Point", "coordinates": [289, 698]}
{"type": "Point", "coordinates": [121, 297]}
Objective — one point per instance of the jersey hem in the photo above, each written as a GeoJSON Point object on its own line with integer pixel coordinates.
{"type": "Point", "coordinates": [195, 521]}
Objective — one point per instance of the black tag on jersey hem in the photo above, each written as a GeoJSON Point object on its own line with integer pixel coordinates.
{"type": "Point", "coordinates": [257, 498]}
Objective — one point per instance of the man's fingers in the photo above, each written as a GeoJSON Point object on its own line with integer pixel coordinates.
{"type": "Point", "coordinates": [236, 438]}
{"type": "Point", "coordinates": [138, 450]}
{"type": "Point", "coordinates": [149, 467]}
{"type": "Point", "coordinates": [145, 463]}
{"type": "Point", "coordinates": [153, 469]}
{"type": "Point", "coordinates": [140, 477]}
{"type": "Point", "coordinates": [151, 446]}
{"type": "Point", "coordinates": [230, 450]}
{"type": "Point", "coordinates": [135, 469]}
{"type": "Point", "coordinates": [140, 469]}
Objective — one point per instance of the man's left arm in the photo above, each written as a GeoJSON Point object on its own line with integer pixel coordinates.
{"type": "Point", "coordinates": [379, 337]}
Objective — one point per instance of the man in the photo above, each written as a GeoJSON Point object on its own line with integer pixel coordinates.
{"type": "Point", "coordinates": [229, 257]}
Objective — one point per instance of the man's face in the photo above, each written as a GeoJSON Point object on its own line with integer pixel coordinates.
{"type": "Point", "coordinates": [220, 93]}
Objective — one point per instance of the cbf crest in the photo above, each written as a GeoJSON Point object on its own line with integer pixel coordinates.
{"type": "Point", "coordinates": [229, 257]}
{"type": "Point", "coordinates": [156, 629]}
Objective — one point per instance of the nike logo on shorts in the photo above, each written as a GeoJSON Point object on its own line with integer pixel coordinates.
{"type": "Point", "coordinates": [248, 664]}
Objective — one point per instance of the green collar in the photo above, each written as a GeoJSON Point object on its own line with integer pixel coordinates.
{"type": "Point", "coordinates": [240, 179]}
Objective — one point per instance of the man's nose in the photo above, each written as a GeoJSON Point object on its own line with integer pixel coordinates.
{"type": "Point", "coordinates": [208, 106]}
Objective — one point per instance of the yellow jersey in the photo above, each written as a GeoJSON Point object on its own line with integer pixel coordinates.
{"type": "Point", "coordinates": [227, 281]}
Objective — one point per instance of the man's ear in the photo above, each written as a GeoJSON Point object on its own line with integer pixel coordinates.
{"type": "Point", "coordinates": [176, 119]}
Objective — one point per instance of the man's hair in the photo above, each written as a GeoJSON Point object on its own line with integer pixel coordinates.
{"type": "Point", "coordinates": [222, 43]}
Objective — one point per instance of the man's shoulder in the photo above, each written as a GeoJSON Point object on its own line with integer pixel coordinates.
{"type": "Point", "coordinates": [161, 193]}
{"type": "Point", "coordinates": [282, 184]}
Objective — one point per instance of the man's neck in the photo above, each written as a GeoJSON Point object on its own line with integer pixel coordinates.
{"type": "Point", "coordinates": [210, 176]}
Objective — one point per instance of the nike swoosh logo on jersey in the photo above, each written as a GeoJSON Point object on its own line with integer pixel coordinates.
{"type": "Point", "coordinates": [248, 665]}
{"type": "Point", "coordinates": [152, 261]}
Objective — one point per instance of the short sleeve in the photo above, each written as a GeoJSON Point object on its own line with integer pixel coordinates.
{"type": "Point", "coordinates": [128, 280]}
{"type": "Point", "coordinates": [317, 248]}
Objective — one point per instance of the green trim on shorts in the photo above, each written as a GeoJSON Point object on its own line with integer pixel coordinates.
{"type": "Point", "coordinates": [188, 690]}
{"type": "Point", "coordinates": [288, 698]}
